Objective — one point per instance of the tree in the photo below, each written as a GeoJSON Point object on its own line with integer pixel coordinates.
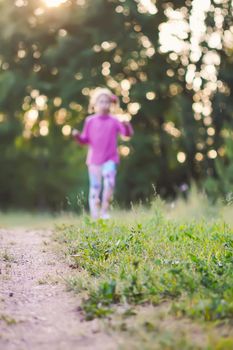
{"type": "Point", "coordinates": [51, 58]}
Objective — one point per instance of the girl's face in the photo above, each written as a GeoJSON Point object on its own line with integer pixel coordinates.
{"type": "Point", "coordinates": [103, 104]}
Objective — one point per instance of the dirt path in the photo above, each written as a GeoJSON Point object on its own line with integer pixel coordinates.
{"type": "Point", "coordinates": [36, 311]}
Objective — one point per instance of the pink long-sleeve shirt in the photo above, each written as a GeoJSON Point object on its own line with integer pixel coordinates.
{"type": "Point", "coordinates": [100, 133]}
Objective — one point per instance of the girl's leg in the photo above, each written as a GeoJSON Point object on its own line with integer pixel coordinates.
{"type": "Point", "coordinates": [109, 175]}
{"type": "Point", "coordinates": [95, 188]}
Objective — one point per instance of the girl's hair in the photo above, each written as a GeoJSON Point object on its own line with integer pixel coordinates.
{"type": "Point", "coordinates": [95, 95]}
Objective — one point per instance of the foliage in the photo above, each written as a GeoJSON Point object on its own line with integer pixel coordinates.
{"type": "Point", "coordinates": [150, 259]}
{"type": "Point", "coordinates": [52, 57]}
{"type": "Point", "coordinates": [222, 184]}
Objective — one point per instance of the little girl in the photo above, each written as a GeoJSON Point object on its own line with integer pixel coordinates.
{"type": "Point", "coordinates": [100, 133]}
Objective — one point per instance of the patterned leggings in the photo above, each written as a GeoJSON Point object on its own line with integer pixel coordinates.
{"type": "Point", "coordinates": [97, 173]}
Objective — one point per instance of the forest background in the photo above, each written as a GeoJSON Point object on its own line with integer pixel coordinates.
{"type": "Point", "coordinates": [169, 62]}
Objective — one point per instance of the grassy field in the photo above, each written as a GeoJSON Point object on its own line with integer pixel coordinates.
{"type": "Point", "coordinates": [36, 220]}
{"type": "Point", "coordinates": [161, 277]}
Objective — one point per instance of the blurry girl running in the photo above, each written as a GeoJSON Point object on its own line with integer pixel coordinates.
{"type": "Point", "coordinates": [100, 133]}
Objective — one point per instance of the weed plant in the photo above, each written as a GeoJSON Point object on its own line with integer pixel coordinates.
{"type": "Point", "coordinates": [143, 256]}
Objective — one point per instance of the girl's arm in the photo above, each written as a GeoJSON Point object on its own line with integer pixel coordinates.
{"type": "Point", "coordinates": [81, 138]}
{"type": "Point", "coordinates": [125, 129]}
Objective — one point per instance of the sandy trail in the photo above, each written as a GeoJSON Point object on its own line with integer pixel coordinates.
{"type": "Point", "coordinates": [36, 311]}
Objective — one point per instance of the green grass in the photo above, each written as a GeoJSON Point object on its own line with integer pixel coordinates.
{"type": "Point", "coordinates": [181, 257]}
{"type": "Point", "coordinates": [197, 207]}
{"type": "Point", "coordinates": [159, 277]}
{"type": "Point", "coordinates": [35, 220]}
{"type": "Point", "coordinates": [152, 261]}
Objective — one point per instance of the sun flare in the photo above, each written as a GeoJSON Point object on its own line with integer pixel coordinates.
{"type": "Point", "coordinates": [54, 3]}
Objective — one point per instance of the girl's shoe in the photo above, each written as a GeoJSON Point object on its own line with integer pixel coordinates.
{"type": "Point", "coordinates": [105, 216]}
